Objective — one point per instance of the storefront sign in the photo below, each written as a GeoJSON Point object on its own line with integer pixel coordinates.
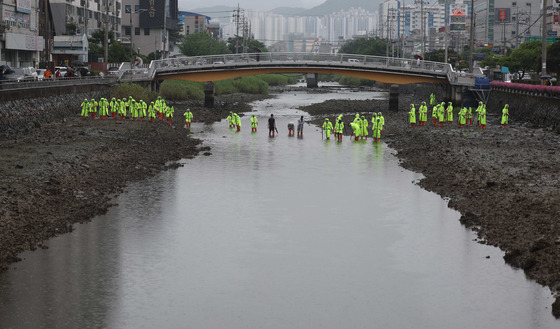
{"type": "Point", "coordinates": [16, 19]}
{"type": "Point", "coordinates": [24, 6]}
{"type": "Point", "coordinates": [24, 42]}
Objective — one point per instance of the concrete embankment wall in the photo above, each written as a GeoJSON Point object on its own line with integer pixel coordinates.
{"type": "Point", "coordinates": [538, 110]}
{"type": "Point", "coordinates": [29, 110]}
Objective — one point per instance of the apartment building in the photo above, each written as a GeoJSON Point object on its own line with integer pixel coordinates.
{"type": "Point", "coordinates": [76, 17]}
{"type": "Point", "coordinates": [147, 25]}
{"type": "Point", "coordinates": [506, 23]}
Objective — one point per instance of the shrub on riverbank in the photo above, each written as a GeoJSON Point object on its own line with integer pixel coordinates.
{"type": "Point", "coordinates": [279, 79]}
{"type": "Point", "coordinates": [249, 85]}
{"type": "Point", "coordinates": [182, 90]}
{"type": "Point", "coordinates": [124, 90]}
{"type": "Point", "coordinates": [357, 82]}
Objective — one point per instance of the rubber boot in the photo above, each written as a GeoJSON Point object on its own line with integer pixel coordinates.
{"type": "Point", "coordinates": [356, 138]}
{"type": "Point", "coordinates": [505, 126]}
{"type": "Point", "coordinates": [238, 128]}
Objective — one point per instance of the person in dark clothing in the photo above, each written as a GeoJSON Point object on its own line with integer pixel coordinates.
{"type": "Point", "coordinates": [300, 126]}
{"type": "Point", "coordinates": [271, 125]}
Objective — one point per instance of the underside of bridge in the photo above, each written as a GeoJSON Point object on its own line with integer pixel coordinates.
{"type": "Point", "coordinates": [385, 77]}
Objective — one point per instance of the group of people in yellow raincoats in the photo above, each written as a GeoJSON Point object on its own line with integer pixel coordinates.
{"type": "Point", "coordinates": [442, 114]}
{"type": "Point", "coordinates": [359, 127]}
{"type": "Point", "coordinates": [127, 107]}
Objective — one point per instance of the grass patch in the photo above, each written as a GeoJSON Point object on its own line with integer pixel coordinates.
{"type": "Point", "coordinates": [182, 90]}
{"type": "Point", "coordinates": [124, 90]}
{"type": "Point", "coordinates": [279, 79]}
{"type": "Point", "coordinates": [248, 85]}
{"type": "Point", "coordinates": [357, 82]}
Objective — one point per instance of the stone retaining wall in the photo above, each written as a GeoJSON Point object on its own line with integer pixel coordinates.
{"type": "Point", "coordinates": [540, 111]}
{"type": "Point", "coordinates": [17, 116]}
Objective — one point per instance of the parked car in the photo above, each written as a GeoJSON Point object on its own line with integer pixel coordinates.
{"type": "Point", "coordinates": [82, 71]}
{"type": "Point", "coordinates": [60, 71]}
{"type": "Point", "coordinates": [113, 70]}
{"type": "Point", "coordinates": [40, 74]}
{"type": "Point", "coordinates": [18, 74]}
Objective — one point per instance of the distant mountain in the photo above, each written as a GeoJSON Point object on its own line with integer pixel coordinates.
{"type": "Point", "coordinates": [288, 11]}
{"type": "Point", "coordinates": [329, 7]}
{"type": "Point", "coordinates": [214, 11]}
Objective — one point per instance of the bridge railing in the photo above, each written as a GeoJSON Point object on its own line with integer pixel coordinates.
{"type": "Point", "coordinates": [6, 84]}
{"type": "Point", "coordinates": [264, 59]}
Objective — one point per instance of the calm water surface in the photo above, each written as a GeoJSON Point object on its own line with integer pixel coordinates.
{"type": "Point", "coordinates": [274, 233]}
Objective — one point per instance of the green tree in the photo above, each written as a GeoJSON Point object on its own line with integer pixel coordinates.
{"type": "Point", "coordinates": [253, 46]}
{"type": "Point", "coordinates": [452, 58]}
{"type": "Point", "coordinates": [71, 29]}
{"type": "Point", "coordinates": [372, 46]}
{"type": "Point", "coordinates": [202, 43]}
{"type": "Point", "coordinates": [117, 51]}
{"type": "Point", "coordinates": [553, 58]}
{"type": "Point", "coordinates": [525, 58]}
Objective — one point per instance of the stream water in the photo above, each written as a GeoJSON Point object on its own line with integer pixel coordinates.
{"type": "Point", "coordinates": [280, 232]}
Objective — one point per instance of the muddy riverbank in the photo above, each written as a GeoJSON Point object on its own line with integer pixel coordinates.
{"type": "Point", "coordinates": [63, 171]}
{"type": "Point", "coordinates": [504, 182]}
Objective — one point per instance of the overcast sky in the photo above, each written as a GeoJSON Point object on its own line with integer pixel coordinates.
{"type": "Point", "coordinates": [187, 5]}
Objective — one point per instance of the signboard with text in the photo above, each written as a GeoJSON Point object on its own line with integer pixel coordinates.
{"type": "Point", "coordinates": [24, 6]}
{"type": "Point", "coordinates": [502, 15]}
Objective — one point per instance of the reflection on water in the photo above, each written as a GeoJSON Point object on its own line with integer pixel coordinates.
{"type": "Point", "coordinates": [276, 233]}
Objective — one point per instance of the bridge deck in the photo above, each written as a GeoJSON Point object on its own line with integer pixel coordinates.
{"type": "Point", "coordinates": [221, 67]}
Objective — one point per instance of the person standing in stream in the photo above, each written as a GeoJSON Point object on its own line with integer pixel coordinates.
{"type": "Point", "coordinates": [271, 125]}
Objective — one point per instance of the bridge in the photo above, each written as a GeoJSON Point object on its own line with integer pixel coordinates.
{"type": "Point", "coordinates": [221, 67]}
{"type": "Point", "coordinates": [388, 70]}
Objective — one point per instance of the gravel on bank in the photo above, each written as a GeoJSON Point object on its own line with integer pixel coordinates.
{"type": "Point", "coordinates": [504, 182]}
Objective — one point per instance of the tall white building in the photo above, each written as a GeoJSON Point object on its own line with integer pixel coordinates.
{"type": "Point", "coordinates": [270, 28]}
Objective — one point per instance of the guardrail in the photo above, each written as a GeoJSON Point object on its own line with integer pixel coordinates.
{"type": "Point", "coordinates": [8, 85]}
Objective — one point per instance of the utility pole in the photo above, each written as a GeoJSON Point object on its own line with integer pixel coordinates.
{"type": "Point", "coordinates": [422, 28]}
{"type": "Point", "coordinates": [106, 39]}
{"type": "Point", "coordinates": [471, 41]}
{"type": "Point", "coordinates": [236, 15]}
{"type": "Point", "coordinates": [446, 31]}
{"type": "Point", "coordinates": [387, 27]}
{"type": "Point", "coordinates": [86, 8]}
{"type": "Point", "coordinates": [544, 14]}
{"type": "Point", "coordinates": [403, 29]}
{"type": "Point", "coordinates": [164, 32]}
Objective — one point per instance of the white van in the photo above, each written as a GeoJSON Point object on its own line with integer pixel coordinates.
{"type": "Point", "coordinates": [353, 60]}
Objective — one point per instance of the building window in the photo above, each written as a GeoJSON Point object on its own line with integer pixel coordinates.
{"type": "Point", "coordinates": [127, 30]}
{"type": "Point", "coordinates": [127, 9]}
{"type": "Point", "coordinates": [136, 8]}
{"type": "Point", "coordinates": [136, 31]}
{"type": "Point", "coordinates": [147, 31]}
